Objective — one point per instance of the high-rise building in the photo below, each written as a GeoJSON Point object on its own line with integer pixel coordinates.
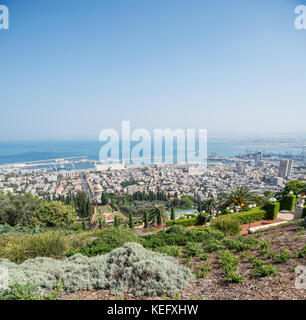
{"type": "Point", "coordinates": [258, 158]}
{"type": "Point", "coordinates": [276, 181]}
{"type": "Point", "coordinates": [240, 168]}
{"type": "Point", "coordinates": [290, 167]}
{"type": "Point", "coordinates": [285, 168]}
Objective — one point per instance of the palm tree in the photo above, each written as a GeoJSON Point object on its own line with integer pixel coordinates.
{"type": "Point", "coordinates": [239, 197]}
{"type": "Point", "coordinates": [210, 204]}
{"type": "Point", "coordinates": [158, 215]}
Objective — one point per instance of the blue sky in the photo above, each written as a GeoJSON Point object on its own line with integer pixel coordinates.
{"type": "Point", "coordinates": [72, 68]}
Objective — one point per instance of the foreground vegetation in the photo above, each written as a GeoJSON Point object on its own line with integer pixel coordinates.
{"type": "Point", "coordinates": [90, 260]}
{"type": "Point", "coordinates": [48, 252]}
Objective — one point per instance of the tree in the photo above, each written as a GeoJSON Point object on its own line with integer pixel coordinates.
{"type": "Point", "coordinates": [116, 222]}
{"type": "Point", "coordinates": [104, 199]}
{"type": "Point", "coordinates": [53, 214]}
{"type": "Point", "coordinates": [296, 186]}
{"type": "Point", "coordinates": [159, 218]}
{"type": "Point", "coordinates": [81, 203]}
{"type": "Point", "coordinates": [210, 204]}
{"type": "Point", "coordinates": [240, 196]}
{"type": "Point", "coordinates": [17, 209]}
{"type": "Point", "coordinates": [100, 223]}
{"type": "Point", "coordinates": [131, 222]}
{"type": "Point", "coordinates": [146, 220]}
{"type": "Point", "coordinates": [186, 202]}
{"type": "Point", "coordinates": [157, 215]}
{"type": "Point", "coordinates": [172, 213]}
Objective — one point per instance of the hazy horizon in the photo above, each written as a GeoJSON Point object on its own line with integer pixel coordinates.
{"type": "Point", "coordinates": [211, 136]}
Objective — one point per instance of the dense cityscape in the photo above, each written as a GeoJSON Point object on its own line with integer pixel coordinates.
{"type": "Point", "coordinates": [179, 179]}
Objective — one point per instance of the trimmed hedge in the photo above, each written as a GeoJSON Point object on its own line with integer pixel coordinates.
{"type": "Point", "coordinates": [272, 209]}
{"type": "Point", "coordinates": [195, 220]}
{"type": "Point", "coordinates": [226, 211]}
{"type": "Point", "coordinates": [269, 212]}
{"type": "Point", "coordinates": [288, 202]}
{"type": "Point", "coordinates": [184, 222]}
{"type": "Point", "coordinates": [252, 215]}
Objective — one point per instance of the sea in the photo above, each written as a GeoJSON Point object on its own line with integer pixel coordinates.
{"type": "Point", "coordinates": [25, 151]}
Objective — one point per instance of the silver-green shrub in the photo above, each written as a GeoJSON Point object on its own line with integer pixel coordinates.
{"type": "Point", "coordinates": [128, 269]}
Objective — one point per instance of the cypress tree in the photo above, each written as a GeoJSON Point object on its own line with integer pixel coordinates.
{"type": "Point", "coordinates": [159, 218]}
{"type": "Point", "coordinates": [104, 199]}
{"type": "Point", "coordinates": [172, 213]}
{"type": "Point", "coordinates": [146, 220]}
{"type": "Point", "coordinates": [116, 224]}
{"type": "Point", "coordinates": [131, 222]}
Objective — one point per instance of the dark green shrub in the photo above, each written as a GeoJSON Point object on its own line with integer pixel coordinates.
{"type": "Point", "coordinates": [28, 291]}
{"type": "Point", "coordinates": [288, 202]}
{"type": "Point", "coordinates": [204, 256]}
{"type": "Point", "coordinates": [283, 256]}
{"type": "Point", "coordinates": [172, 217]}
{"type": "Point", "coordinates": [302, 252]}
{"type": "Point", "coordinates": [189, 222]}
{"type": "Point", "coordinates": [252, 215]}
{"type": "Point", "coordinates": [262, 269]}
{"type": "Point", "coordinates": [53, 214]}
{"type": "Point", "coordinates": [146, 220]}
{"type": "Point", "coordinates": [263, 251]}
{"type": "Point", "coordinates": [211, 245]}
{"type": "Point", "coordinates": [230, 264]}
{"type": "Point", "coordinates": [110, 239]}
{"type": "Point", "coordinates": [131, 221]}
{"type": "Point", "coordinates": [248, 240]}
{"type": "Point", "coordinates": [270, 254]}
{"type": "Point", "coordinates": [228, 261]}
{"type": "Point", "coordinates": [20, 292]}
{"type": "Point", "coordinates": [202, 218]}
{"type": "Point", "coordinates": [304, 212]}
{"type": "Point", "coordinates": [210, 233]}
{"type": "Point", "coordinates": [100, 223]}
{"type": "Point", "coordinates": [265, 244]}
{"type": "Point", "coordinates": [302, 225]}
{"type": "Point", "coordinates": [173, 251]}
{"type": "Point", "coordinates": [226, 224]}
{"type": "Point", "coordinates": [203, 270]}
{"type": "Point", "coordinates": [163, 239]}
{"type": "Point", "coordinates": [272, 209]}
{"type": "Point", "coordinates": [6, 229]}
{"type": "Point", "coordinates": [237, 245]}
{"type": "Point", "coordinates": [193, 249]}
{"type": "Point", "coordinates": [187, 260]}
{"type": "Point", "coordinates": [177, 229]}
{"type": "Point", "coordinates": [184, 222]}
{"type": "Point", "coordinates": [234, 277]}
